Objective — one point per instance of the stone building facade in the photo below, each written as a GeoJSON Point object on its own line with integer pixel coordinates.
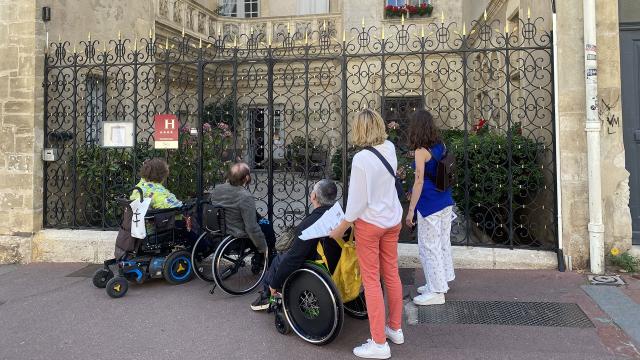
{"type": "Point", "coordinates": [23, 36]}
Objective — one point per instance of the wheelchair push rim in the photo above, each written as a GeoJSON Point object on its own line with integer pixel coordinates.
{"type": "Point", "coordinates": [233, 266]}
{"type": "Point", "coordinates": [202, 256]}
{"type": "Point", "coordinates": [357, 308]}
{"type": "Point", "coordinates": [312, 306]}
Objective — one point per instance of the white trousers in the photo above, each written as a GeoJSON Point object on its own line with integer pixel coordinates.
{"type": "Point", "coordinates": [434, 242]}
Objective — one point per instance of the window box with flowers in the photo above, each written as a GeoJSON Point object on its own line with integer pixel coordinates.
{"type": "Point", "coordinates": [418, 8]}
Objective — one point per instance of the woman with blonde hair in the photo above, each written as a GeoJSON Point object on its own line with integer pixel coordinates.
{"type": "Point", "coordinates": [374, 209]}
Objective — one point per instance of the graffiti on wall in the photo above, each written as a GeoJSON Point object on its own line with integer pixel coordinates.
{"type": "Point", "coordinates": [608, 116]}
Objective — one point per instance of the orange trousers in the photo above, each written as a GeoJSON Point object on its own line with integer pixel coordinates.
{"type": "Point", "coordinates": [377, 251]}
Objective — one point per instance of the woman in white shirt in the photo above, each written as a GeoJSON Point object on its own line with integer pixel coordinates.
{"type": "Point", "coordinates": [374, 209]}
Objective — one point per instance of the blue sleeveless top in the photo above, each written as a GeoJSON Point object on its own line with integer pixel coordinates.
{"type": "Point", "coordinates": [431, 200]}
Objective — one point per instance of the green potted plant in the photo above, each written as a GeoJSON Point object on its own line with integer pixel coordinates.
{"type": "Point", "coordinates": [296, 152]}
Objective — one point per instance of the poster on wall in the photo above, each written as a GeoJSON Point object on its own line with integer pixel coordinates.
{"type": "Point", "coordinates": [166, 132]}
{"type": "Point", "coordinates": [117, 134]}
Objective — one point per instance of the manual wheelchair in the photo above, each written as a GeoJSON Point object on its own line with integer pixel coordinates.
{"type": "Point", "coordinates": [231, 263]}
{"type": "Point", "coordinates": [163, 253]}
{"type": "Point", "coordinates": [311, 306]}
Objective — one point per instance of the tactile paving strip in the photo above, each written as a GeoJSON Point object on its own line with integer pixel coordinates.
{"type": "Point", "coordinates": [505, 313]}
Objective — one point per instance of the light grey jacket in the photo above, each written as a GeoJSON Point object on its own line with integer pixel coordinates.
{"type": "Point", "coordinates": [240, 213]}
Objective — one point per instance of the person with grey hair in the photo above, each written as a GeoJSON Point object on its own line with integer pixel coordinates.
{"type": "Point", "coordinates": [322, 198]}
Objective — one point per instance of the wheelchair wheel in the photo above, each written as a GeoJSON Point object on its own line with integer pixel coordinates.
{"type": "Point", "coordinates": [312, 305]}
{"type": "Point", "coordinates": [357, 308]}
{"type": "Point", "coordinates": [238, 267]}
{"type": "Point", "coordinates": [177, 268]}
{"type": "Point", "coordinates": [202, 256]}
{"type": "Point", "coordinates": [117, 287]}
{"type": "Point", "coordinates": [101, 277]}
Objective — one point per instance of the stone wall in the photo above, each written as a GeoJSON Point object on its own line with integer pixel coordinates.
{"type": "Point", "coordinates": [73, 20]}
{"type": "Point", "coordinates": [21, 133]}
{"type": "Point", "coordinates": [573, 148]}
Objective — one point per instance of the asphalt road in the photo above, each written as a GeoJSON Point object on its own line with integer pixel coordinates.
{"type": "Point", "coordinates": [46, 315]}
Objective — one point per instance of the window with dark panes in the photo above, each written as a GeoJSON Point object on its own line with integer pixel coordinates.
{"type": "Point", "coordinates": [94, 97]}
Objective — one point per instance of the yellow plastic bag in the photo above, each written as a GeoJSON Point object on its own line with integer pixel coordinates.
{"type": "Point", "coordinates": [346, 276]}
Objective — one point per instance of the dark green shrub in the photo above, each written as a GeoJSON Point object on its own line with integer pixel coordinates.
{"type": "Point", "coordinates": [336, 162]}
{"type": "Point", "coordinates": [105, 173]}
{"type": "Point", "coordinates": [488, 160]}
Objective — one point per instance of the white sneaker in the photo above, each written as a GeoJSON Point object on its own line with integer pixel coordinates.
{"type": "Point", "coordinates": [423, 289]}
{"type": "Point", "coordinates": [429, 299]}
{"type": "Point", "coordinates": [371, 350]}
{"type": "Point", "coordinates": [396, 336]}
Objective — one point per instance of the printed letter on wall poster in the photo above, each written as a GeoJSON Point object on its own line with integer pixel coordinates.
{"type": "Point", "coordinates": [166, 133]}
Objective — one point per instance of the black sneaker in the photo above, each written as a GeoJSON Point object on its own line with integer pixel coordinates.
{"type": "Point", "coordinates": [261, 303]}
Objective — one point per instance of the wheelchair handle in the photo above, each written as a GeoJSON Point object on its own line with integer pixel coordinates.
{"type": "Point", "coordinates": [139, 190]}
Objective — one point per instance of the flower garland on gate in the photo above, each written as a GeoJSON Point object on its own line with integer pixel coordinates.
{"type": "Point", "coordinates": [423, 9]}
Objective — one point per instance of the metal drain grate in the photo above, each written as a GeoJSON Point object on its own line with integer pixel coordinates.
{"type": "Point", "coordinates": [86, 271]}
{"type": "Point", "coordinates": [505, 313]}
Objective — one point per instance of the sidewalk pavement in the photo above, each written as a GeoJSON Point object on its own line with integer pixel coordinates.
{"type": "Point", "coordinates": [47, 315]}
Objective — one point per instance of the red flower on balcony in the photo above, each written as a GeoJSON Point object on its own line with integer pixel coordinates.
{"type": "Point", "coordinates": [424, 9]}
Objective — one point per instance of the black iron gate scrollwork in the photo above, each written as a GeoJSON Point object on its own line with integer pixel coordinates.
{"type": "Point", "coordinates": [282, 102]}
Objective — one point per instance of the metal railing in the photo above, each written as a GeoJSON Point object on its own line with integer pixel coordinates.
{"type": "Point", "coordinates": [283, 103]}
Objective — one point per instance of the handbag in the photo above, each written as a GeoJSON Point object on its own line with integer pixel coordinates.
{"type": "Point", "coordinates": [346, 275]}
{"type": "Point", "coordinates": [283, 243]}
{"type": "Point", "coordinates": [386, 164]}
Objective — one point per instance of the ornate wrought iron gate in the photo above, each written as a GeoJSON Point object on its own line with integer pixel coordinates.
{"type": "Point", "coordinates": [284, 104]}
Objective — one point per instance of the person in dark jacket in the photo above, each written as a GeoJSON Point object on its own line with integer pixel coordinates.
{"type": "Point", "coordinates": [322, 197]}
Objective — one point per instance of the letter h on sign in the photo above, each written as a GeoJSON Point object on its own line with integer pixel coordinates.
{"type": "Point", "coordinates": [165, 134]}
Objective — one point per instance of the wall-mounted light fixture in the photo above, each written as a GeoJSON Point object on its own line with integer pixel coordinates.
{"type": "Point", "coordinates": [46, 14]}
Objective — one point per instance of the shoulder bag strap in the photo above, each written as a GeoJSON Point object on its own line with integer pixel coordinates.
{"type": "Point", "coordinates": [382, 159]}
{"type": "Point", "coordinates": [426, 174]}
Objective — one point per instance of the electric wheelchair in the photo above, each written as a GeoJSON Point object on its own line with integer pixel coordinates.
{"type": "Point", "coordinates": [233, 264]}
{"type": "Point", "coordinates": [311, 306]}
{"type": "Point", "coordinates": [163, 253]}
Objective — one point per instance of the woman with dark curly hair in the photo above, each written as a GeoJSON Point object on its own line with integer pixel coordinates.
{"type": "Point", "coordinates": [433, 208]}
{"type": "Point", "coordinates": [152, 174]}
